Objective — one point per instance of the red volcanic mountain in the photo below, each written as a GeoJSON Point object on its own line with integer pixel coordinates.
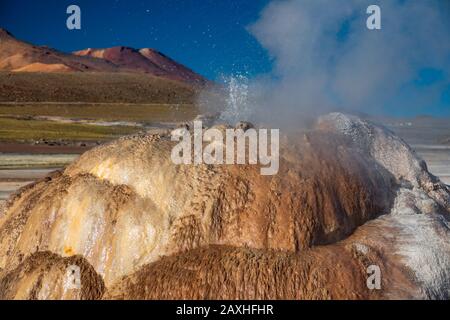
{"type": "Point", "coordinates": [144, 60]}
{"type": "Point", "coordinates": [19, 56]}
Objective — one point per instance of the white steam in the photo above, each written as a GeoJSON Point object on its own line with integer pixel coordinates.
{"type": "Point", "coordinates": [236, 99]}
{"type": "Point", "coordinates": [326, 59]}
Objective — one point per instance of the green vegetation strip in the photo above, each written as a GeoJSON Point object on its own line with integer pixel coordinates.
{"type": "Point", "coordinates": [104, 111]}
{"type": "Point", "coordinates": [17, 129]}
{"type": "Point", "coordinates": [33, 161]}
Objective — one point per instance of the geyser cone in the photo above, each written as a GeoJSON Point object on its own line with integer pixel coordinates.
{"type": "Point", "coordinates": [124, 205]}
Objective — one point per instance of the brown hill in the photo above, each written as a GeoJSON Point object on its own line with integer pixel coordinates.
{"type": "Point", "coordinates": [17, 55]}
{"type": "Point", "coordinates": [92, 87]}
{"type": "Point", "coordinates": [44, 67]}
{"type": "Point", "coordinates": [144, 60]}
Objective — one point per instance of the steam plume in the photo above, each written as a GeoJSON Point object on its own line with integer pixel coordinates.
{"type": "Point", "coordinates": [326, 59]}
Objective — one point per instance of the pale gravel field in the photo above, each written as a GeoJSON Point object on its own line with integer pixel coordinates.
{"type": "Point", "coordinates": [28, 169]}
{"type": "Point", "coordinates": [23, 161]}
{"type": "Point", "coordinates": [430, 138]}
{"type": "Point", "coordinates": [8, 187]}
{"type": "Point", "coordinates": [18, 170]}
{"type": "Point", "coordinates": [437, 159]}
{"type": "Point", "coordinates": [13, 179]}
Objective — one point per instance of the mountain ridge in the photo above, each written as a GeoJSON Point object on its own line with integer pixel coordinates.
{"type": "Point", "coordinates": [20, 56]}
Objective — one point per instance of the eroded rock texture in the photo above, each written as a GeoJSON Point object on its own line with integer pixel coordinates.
{"type": "Point", "coordinates": [346, 196]}
{"type": "Point", "coordinates": [45, 275]}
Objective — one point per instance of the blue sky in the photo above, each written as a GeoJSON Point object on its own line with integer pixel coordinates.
{"type": "Point", "coordinates": [209, 36]}
{"type": "Point", "coordinates": [212, 38]}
